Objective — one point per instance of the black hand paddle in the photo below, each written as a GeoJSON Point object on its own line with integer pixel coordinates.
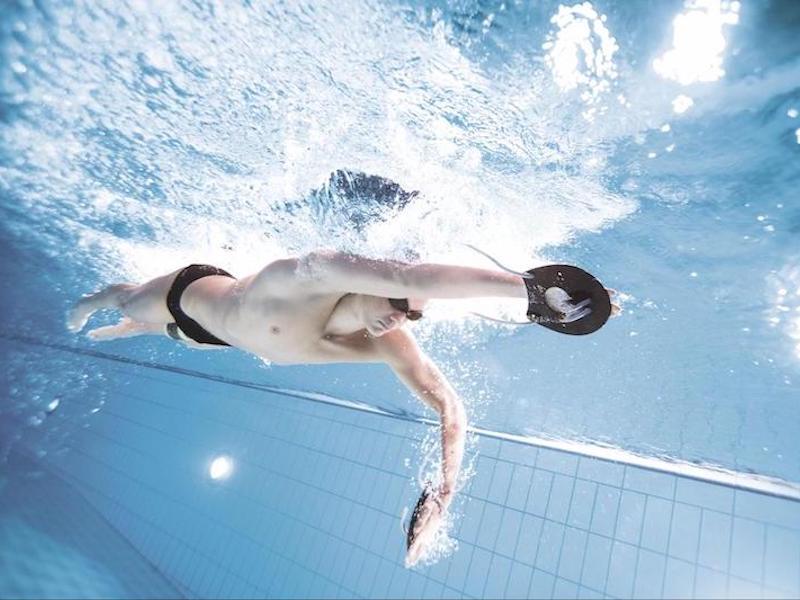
{"type": "Point", "coordinates": [580, 286]}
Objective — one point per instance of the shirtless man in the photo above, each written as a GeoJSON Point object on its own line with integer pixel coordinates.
{"type": "Point", "coordinates": [324, 307]}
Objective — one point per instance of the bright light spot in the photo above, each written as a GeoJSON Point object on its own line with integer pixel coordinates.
{"type": "Point", "coordinates": [53, 405]}
{"type": "Point", "coordinates": [670, 148]}
{"type": "Point", "coordinates": [19, 68]}
{"type": "Point", "coordinates": [665, 127]}
{"type": "Point", "coordinates": [792, 113]}
{"type": "Point", "coordinates": [693, 274]}
{"type": "Point", "coordinates": [761, 218]}
{"type": "Point", "coordinates": [797, 134]}
{"type": "Point", "coordinates": [682, 103]}
{"type": "Point", "coordinates": [221, 468]}
{"type": "Point", "coordinates": [697, 42]}
{"type": "Point", "coordinates": [581, 52]}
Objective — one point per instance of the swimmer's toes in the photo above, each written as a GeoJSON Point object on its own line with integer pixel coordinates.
{"type": "Point", "coordinates": [76, 318]}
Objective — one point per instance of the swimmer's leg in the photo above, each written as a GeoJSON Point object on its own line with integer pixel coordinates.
{"type": "Point", "coordinates": [146, 303]}
{"type": "Point", "coordinates": [125, 328]}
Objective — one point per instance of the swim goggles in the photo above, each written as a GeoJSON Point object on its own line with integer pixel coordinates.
{"type": "Point", "coordinates": [401, 304]}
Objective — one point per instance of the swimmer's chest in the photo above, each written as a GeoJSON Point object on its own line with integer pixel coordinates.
{"type": "Point", "coordinates": [293, 331]}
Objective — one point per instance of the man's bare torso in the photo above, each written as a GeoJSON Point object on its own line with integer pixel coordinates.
{"type": "Point", "coordinates": [285, 327]}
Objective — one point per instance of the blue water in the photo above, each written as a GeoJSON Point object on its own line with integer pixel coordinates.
{"type": "Point", "coordinates": [137, 138]}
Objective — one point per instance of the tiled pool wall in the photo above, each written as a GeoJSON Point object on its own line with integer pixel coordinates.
{"type": "Point", "coordinates": [54, 544]}
{"type": "Point", "coordinates": [313, 508]}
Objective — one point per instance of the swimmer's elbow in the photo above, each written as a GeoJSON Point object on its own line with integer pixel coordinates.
{"type": "Point", "coordinates": [454, 414]}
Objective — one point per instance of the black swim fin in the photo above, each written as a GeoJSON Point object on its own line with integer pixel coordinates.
{"type": "Point", "coordinates": [580, 285]}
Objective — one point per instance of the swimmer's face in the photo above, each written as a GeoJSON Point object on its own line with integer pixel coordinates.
{"type": "Point", "coordinates": [380, 317]}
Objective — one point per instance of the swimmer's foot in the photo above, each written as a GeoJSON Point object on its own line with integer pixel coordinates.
{"type": "Point", "coordinates": [110, 297]}
{"type": "Point", "coordinates": [79, 314]}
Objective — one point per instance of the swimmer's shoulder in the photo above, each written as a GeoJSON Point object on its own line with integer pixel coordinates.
{"type": "Point", "coordinates": [279, 279]}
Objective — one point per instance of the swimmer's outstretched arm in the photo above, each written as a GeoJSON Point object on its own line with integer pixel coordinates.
{"type": "Point", "coordinates": [332, 272]}
{"type": "Point", "coordinates": [400, 351]}
{"type": "Point", "coordinates": [396, 279]}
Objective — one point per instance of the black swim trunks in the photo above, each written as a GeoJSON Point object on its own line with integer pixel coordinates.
{"type": "Point", "coordinates": [183, 322]}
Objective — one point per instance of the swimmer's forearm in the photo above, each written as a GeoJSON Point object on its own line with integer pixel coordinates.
{"type": "Point", "coordinates": [454, 430]}
{"type": "Point", "coordinates": [429, 280]}
{"type": "Point", "coordinates": [424, 378]}
{"type": "Point", "coordinates": [439, 394]}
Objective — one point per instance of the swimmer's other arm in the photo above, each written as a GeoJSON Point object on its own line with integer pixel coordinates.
{"type": "Point", "coordinates": [332, 271]}
{"type": "Point", "coordinates": [399, 349]}
{"type": "Point", "coordinates": [423, 377]}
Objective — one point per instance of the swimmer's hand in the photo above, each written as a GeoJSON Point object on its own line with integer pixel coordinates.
{"type": "Point", "coordinates": [570, 310]}
{"type": "Point", "coordinates": [426, 520]}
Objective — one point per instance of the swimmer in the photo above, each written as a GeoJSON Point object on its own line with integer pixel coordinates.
{"type": "Point", "coordinates": [327, 307]}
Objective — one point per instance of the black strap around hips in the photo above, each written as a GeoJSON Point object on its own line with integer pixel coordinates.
{"type": "Point", "coordinates": [191, 328]}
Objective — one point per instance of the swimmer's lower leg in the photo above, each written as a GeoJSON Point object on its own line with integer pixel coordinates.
{"type": "Point", "coordinates": [125, 328]}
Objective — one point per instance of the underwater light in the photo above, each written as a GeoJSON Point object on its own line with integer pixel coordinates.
{"type": "Point", "coordinates": [221, 468]}
{"type": "Point", "coordinates": [698, 42]}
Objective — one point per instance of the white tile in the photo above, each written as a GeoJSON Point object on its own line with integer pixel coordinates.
{"type": "Point", "coordinates": [715, 537]}
{"type": "Point", "coordinates": [631, 517]}
{"type": "Point", "coordinates": [760, 507]}
{"type": "Point", "coordinates": [747, 549]}
{"type": "Point", "coordinates": [650, 482]}
{"type": "Point", "coordinates": [601, 471]}
{"type": "Point", "coordinates": [560, 498]}
{"type": "Point", "coordinates": [606, 506]}
{"type": "Point", "coordinates": [649, 574]}
{"type": "Point", "coordinates": [621, 571]}
{"type": "Point", "coordinates": [782, 560]}
{"type": "Point", "coordinates": [706, 495]}
{"type": "Point", "coordinates": [557, 461]}
{"type": "Point", "coordinates": [685, 532]}
{"type": "Point", "coordinates": [655, 528]}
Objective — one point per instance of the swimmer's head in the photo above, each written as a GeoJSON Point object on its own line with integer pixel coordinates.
{"type": "Point", "coordinates": [382, 315]}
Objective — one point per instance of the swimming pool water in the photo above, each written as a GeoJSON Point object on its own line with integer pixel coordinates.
{"type": "Point", "coordinates": [654, 144]}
